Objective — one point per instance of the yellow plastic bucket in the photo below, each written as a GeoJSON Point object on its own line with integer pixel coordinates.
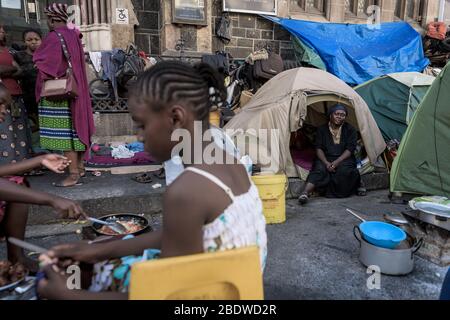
{"type": "Point", "coordinates": [214, 118]}
{"type": "Point", "coordinates": [272, 190]}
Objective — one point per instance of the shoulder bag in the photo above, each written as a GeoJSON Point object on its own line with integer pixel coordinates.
{"type": "Point", "coordinates": [61, 88]}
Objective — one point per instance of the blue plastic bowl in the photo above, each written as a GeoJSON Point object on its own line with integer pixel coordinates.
{"type": "Point", "coordinates": [382, 234]}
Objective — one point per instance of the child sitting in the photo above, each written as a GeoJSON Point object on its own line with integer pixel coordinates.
{"type": "Point", "coordinates": [209, 207]}
{"type": "Point", "coordinates": [14, 196]}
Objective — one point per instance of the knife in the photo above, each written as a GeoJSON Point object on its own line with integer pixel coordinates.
{"type": "Point", "coordinates": [27, 245]}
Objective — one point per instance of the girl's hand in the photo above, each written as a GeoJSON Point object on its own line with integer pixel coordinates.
{"type": "Point", "coordinates": [67, 208]}
{"type": "Point", "coordinates": [55, 162]}
{"type": "Point", "coordinates": [54, 286]}
{"type": "Point", "coordinates": [78, 251]}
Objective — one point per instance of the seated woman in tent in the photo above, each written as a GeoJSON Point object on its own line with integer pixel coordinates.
{"type": "Point", "coordinates": [334, 171]}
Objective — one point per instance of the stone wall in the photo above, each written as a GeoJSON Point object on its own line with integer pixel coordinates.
{"type": "Point", "coordinates": [157, 34]}
{"type": "Point", "coordinates": [148, 34]}
{"type": "Point", "coordinates": [250, 33]}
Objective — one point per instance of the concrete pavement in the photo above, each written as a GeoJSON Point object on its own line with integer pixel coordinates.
{"type": "Point", "coordinates": [313, 255]}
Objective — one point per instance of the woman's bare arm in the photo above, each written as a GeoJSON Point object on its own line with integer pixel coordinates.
{"type": "Point", "coordinates": [20, 167]}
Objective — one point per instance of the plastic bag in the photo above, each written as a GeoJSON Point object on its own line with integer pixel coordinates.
{"type": "Point", "coordinates": [223, 29]}
{"type": "Point", "coordinates": [248, 164]}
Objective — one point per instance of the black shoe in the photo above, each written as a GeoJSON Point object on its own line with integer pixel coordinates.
{"type": "Point", "coordinates": [303, 199]}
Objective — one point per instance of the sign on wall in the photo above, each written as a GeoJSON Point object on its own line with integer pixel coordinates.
{"type": "Point", "coordinates": [122, 16]}
{"type": "Point", "coordinates": [268, 7]}
{"type": "Point", "coordinates": [11, 4]}
{"type": "Point", "coordinates": [189, 12]}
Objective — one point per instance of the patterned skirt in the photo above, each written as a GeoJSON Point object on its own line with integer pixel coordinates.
{"type": "Point", "coordinates": [56, 127]}
{"type": "Point", "coordinates": [15, 135]}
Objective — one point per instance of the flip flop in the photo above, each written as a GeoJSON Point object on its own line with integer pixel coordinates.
{"type": "Point", "coordinates": [303, 199]}
{"type": "Point", "coordinates": [161, 174]}
{"type": "Point", "coordinates": [362, 192]}
{"type": "Point", "coordinates": [61, 185]}
{"type": "Point", "coordinates": [143, 178]}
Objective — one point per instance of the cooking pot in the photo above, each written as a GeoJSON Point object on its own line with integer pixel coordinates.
{"type": "Point", "coordinates": [390, 261]}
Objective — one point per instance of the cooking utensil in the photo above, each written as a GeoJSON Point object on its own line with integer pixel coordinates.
{"type": "Point", "coordinates": [435, 209]}
{"type": "Point", "coordinates": [13, 284]}
{"type": "Point", "coordinates": [382, 234]}
{"type": "Point", "coordinates": [24, 288]}
{"type": "Point", "coordinates": [102, 239]}
{"type": "Point", "coordinates": [434, 220]}
{"type": "Point", "coordinates": [379, 233]}
{"type": "Point", "coordinates": [348, 210]}
{"type": "Point", "coordinates": [391, 262]}
{"type": "Point", "coordinates": [114, 225]}
{"type": "Point", "coordinates": [396, 218]}
{"type": "Point", "coordinates": [124, 217]}
{"type": "Point", "coordinates": [26, 245]}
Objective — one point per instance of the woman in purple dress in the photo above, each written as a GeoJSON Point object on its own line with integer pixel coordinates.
{"type": "Point", "coordinates": [65, 125]}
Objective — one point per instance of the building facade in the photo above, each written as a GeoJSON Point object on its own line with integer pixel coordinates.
{"type": "Point", "coordinates": [158, 34]}
{"type": "Point", "coordinates": [152, 25]}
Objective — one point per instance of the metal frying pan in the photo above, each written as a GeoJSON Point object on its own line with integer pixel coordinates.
{"type": "Point", "coordinates": [142, 221]}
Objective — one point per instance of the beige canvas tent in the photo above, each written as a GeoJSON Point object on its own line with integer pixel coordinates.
{"type": "Point", "coordinates": [284, 104]}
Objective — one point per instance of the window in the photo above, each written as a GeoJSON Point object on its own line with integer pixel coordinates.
{"type": "Point", "coordinates": [310, 6]}
{"type": "Point", "coordinates": [359, 7]}
{"type": "Point", "coordinates": [189, 12]}
{"type": "Point", "coordinates": [410, 9]}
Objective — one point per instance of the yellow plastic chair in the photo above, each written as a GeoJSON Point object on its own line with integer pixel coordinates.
{"type": "Point", "coordinates": [227, 275]}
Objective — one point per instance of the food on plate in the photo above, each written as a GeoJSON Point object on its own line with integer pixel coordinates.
{"type": "Point", "coordinates": [10, 273]}
{"type": "Point", "coordinates": [131, 226]}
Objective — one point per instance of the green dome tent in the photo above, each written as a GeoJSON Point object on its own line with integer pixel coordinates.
{"type": "Point", "coordinates": [393, 99]}
{"type": "Point", "coordinates": [422, 165]}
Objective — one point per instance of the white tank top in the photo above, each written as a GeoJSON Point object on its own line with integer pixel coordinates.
{"type": "Point", "coordinates": [242, 223]}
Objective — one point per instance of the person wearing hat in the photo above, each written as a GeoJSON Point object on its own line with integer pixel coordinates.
{"type": "Point", "coordinates": [66, 125]}
{"type": "Point", "coordinates": [334, 171]}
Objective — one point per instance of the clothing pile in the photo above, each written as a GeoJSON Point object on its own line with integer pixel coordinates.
{"type": "Point", "coordinates": [120, 68]}
{"type": "Point", "coordinates": [118, 155]}
{"type": "Point", "coordinates": [437, 44]}
{"type": "Point", "coordinates": [391, 152]}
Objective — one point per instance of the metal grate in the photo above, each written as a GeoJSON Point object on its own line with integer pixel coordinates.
{"type": "Point", "coordinates": [110, 105]}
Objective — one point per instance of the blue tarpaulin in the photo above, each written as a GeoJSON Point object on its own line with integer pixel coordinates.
{"type": "Point", "coordinates": [356, 53]}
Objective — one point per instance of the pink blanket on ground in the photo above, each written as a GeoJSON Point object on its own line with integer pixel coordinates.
{"type": "Point", "coordinates": [304, 158]}
{"type": "Point", "coordinates": [103, 161]}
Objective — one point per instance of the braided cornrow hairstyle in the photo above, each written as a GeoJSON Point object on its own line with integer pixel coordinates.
{"type": "Point", "coordinates": [198, 87]}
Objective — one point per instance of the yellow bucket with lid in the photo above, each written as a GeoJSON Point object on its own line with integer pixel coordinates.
{"type": "Point", "coordinates": [272, 191]}
{"type": "Point", "coordinates": [214, 118]}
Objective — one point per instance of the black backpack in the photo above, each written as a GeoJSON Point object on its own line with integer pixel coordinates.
{"type": "Point", "coordinates": [221, 61]}
{"type": "Point", "coordinates": [131, 67]}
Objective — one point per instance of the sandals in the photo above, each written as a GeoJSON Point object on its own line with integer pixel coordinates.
{"type": "Point", "coordinates": [361, 192]}
{"type": "Point", "coordinates": [161, 174]}
{"type": "Point", "coordinates": [72, 175]}
{"type": "Point", "coordinates": [303, 199]}
{"type": "Point", "coordinates": [143, 178]}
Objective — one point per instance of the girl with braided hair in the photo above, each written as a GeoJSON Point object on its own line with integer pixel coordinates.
{"type": "Point", "coordinates": [209, 207]}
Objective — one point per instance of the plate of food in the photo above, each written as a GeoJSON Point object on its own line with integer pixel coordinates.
{"type": "Point", "coordinates": [11, 274]}
{"type": "Point", "coordinates": [133, 223]}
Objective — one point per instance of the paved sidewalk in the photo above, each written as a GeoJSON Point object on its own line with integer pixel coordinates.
{"type": "Point", "coordinates": [313, 255]}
